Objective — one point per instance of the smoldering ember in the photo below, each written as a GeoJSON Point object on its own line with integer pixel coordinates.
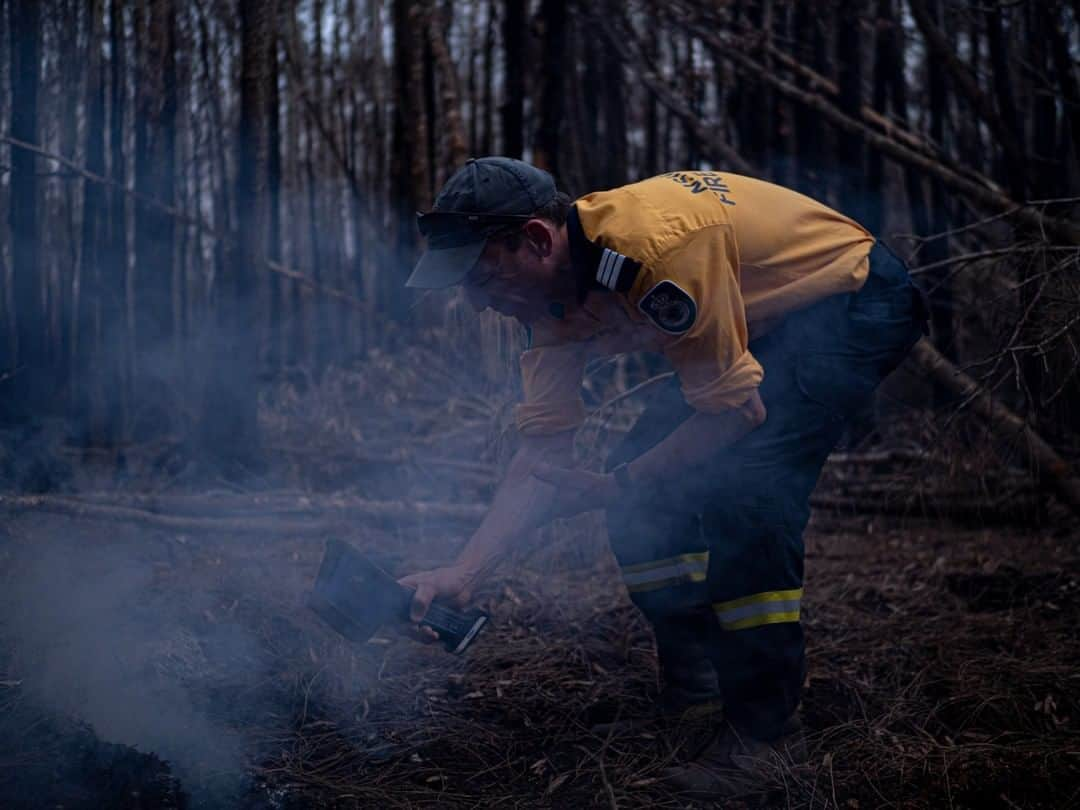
{"type": "Point", "coordinates": [644, 404]}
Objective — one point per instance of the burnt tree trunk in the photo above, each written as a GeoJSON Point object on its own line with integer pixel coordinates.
{"type": "Point", "coordinates": [1011, 166]}
{"type": "Point", "coordinates": [514, 60]}
{"type": "Point", "coordinates": [28, 380]}
{"type": "Point", "coordinates": [116, 332]}
{"type": "Point", "coordinates": [278, 286]}
{"type": "Point", "coordinates": [652, 158]}
{"type": "Point", "coordinates": [230, 433]}
{"type": "Point", "coordinates": [408, 168]}
{"type": "Point", "coordinates": [155, 178]}
{"type": "Point", "coordinates": [546, 151]}
{"type": "Point", "coordinates": [455, 139]}
{"type": "Point", "coordinates": [941, 299]}
{"type": "Point", "coordinates": [615, 124]}
{"type": "Point", "coordinates": [808, 140]}
{"type": "Point", "coordinates": [873, 217]}
{"type": "Point", "coordinates": [87, 394]}
{"type": "Point", "coordinates": [486, 139]}
{"type": "Point", "coordinates": [850, 150]}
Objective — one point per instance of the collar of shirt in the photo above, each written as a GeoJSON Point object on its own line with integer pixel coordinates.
{"type": "Point", "coordinates": [596, 267]}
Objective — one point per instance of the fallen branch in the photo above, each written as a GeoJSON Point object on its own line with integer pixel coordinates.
{"type": "Point", "coordinates": [1020, 509]}
{"type": "Point", "coordinates": [298, 517]}
{"type": "Point", "coordinates": [983, 195]}
{"type": "Point", "coordinates": [1050, 468]}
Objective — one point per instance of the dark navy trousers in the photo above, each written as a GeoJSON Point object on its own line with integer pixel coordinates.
{"type": "Point", "coordinates": [714, 555]}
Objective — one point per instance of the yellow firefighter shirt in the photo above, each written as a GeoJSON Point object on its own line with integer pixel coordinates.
{"type": "Point", "coordinates": [691, 264]}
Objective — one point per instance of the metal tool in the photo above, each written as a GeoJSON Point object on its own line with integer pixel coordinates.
{"type": "Point", "coordinates": [355, 596]}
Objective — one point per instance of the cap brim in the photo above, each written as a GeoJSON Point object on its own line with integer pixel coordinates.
{"type": "Point", "coordinates": [445, 267]}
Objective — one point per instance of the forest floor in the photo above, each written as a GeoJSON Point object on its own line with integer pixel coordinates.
{"type": "Point", "coordinates": [944, 662]}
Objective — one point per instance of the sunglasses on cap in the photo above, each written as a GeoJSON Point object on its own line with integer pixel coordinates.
{"type": "Point", "coordinates": [445, 223]}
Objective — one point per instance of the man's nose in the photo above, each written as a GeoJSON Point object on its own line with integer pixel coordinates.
{"type": "Point", "coordinates": [478, 299]}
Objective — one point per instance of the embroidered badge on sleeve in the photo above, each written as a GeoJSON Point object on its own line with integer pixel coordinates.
{"type": "Point", "coordinates": [670, 307]}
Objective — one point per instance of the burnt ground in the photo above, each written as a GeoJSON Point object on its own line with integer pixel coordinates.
{"type": "Point", "coordinates": [158, 652]}
{"type": "Point", "coordinates": [943, 672]}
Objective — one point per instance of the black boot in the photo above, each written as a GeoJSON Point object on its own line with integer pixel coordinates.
{"type": "Point", "coordinates": [737, 765]}
{"type": "Point", "coordinates": [690, 690]}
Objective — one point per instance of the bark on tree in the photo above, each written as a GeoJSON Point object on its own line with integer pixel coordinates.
{"type": "Point", "coordinates": [487, 136]}
{"type": "Point", "coordinates": [88, 396]}
{"type": "Point", "coordinates": [449, 96]}
{"type": "Point", "coordinates": [116, 332]}
{"type": "Point", "coordinates": [514, 56]}
{"type": "Point", "coordinates": [941, 298]}
{"type": "Point", "coordinates": [1014, 164]}
{"type": "Point", "coordinates": [615, 123]}
{"type": "Point", "coordinates": [408, 168]}
{"type": "Point", "coordinates": [850, 149]}
{"type": "Point", "coordinates": [27, 386]}
{"type": "Point", "coordinates": [278, 286]}
{"type": "Point", "coordinates": [229, 425]}
{"type": "Point", "coordinates": [155, 177]}
{"type": "Point", "coordinates": [810, 146]}
{"type": "Point", "coordinates": [874, 215]}
{"type": "Point", "coordinates": [547, 143]}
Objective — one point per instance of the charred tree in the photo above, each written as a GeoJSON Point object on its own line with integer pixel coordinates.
{"type": "Point", "coordinates": [155, 178]}
{"type": "Point", "coordinates": [116, 334]}
{"type": "Point", "coordinates": [808, 141]}
{"type": "Point", "coordinates": [514, 60]}
{"type": "Point", "coordinates": [873, 217]}
{"type": "Point", "coordinates": [1013, 164]}
{"type": "Point", "coordinates": [546, 150]}
{"type": "Point", "coordinates": [651, 160]}
{"type": "Point", "coordinates": [27, 383]}
{"type": "Point", "coordinates": [229, 426]}
{"type": "Point", "coordinates": [408, 168]}
{"type": "Point", "coordinates": [454, 137]}
{"type": "Point", "coordinates": [87, 393]}
{"type": "Point", "coordinates": [486, 140]}
{"type": "Point", "coordinates": [850, 149]}
{"type": "Point", "coordinates": [893, 57]}
{"type": "Point", "coordinates": [941, 311]}
{"type": "Point", "coordinates": [615, 123]}
{"type": "Point", "coordinates": [275, 350]}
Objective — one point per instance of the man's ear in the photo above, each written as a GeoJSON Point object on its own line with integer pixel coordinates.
{"type": "Point", "coordinates": [540, 237]}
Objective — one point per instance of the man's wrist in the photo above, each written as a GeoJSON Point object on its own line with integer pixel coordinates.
{"type": "Point", "coordinates": [472, 570]}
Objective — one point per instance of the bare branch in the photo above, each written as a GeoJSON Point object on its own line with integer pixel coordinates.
{"type": "Point", "coordinates": [180, 216]}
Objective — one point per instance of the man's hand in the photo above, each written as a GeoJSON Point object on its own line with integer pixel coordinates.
{"type": "Point", "coordinates": [453, 583]}
{"type": "Point", "coordinates": [577, 491]}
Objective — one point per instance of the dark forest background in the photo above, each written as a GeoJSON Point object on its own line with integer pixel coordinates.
{"type": "Point", "coordinates": [209, 365]}
{"type": "Point", "coordinates": [202, 198]}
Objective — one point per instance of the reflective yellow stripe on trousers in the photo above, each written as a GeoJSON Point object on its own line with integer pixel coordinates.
{"type": "Point", "coordinates": [677, 570]}
{"type": "Point", "coordinates": [769, 607]}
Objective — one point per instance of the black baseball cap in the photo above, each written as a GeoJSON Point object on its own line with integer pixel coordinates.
{"type": "Point", "coordinates": [483, 197]}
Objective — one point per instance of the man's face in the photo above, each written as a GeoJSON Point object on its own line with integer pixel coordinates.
{"type": "Point", "coordinates": [517, 283]}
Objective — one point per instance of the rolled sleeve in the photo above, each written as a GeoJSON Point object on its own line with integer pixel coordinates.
{"type": "Point", "coordinates": [713, 391]}
{"type": "Point", "coordinates": [551, 379]}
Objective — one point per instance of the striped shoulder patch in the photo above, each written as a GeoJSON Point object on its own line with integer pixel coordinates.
{"type": "Point", "coordinates": [616, 271]}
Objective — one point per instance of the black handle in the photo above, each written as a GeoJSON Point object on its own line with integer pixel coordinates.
{"type": "Point", "coordinates": [456, 630]}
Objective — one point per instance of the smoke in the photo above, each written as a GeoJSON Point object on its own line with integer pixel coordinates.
{"type": "Point", "coordinates": [95, 637]}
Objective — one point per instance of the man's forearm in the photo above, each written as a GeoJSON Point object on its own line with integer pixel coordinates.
{"type": "Point", "coordinates": [696, 441]}
{"type": "Point", "coordinates": [521, 505]}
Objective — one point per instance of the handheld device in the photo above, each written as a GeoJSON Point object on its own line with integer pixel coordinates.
{"type": "Point", "coordinates": [355, 596]}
